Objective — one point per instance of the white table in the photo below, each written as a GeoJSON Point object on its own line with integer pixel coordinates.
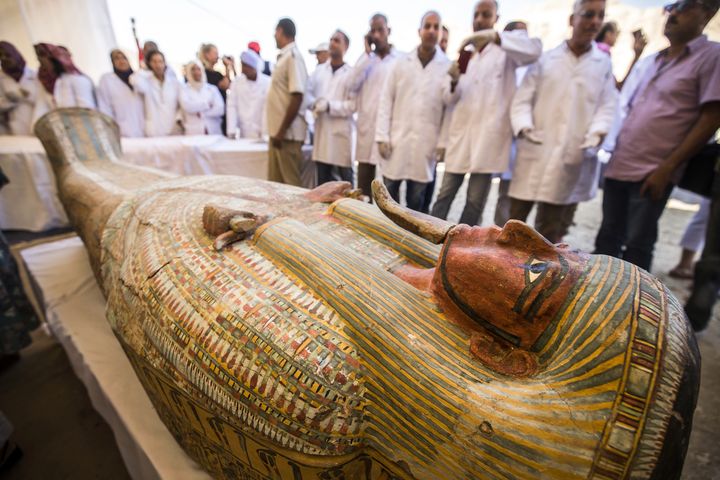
{"type": "Point", "coordinates": [75, 313]}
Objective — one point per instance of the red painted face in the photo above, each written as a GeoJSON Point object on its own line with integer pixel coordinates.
{"type": "Point", "coordinates": [511, 281]}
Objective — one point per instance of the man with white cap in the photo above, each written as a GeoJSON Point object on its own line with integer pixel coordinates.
{"type": "Point", "coordinates": [246, 99]}
{"type": "Point", "coordinates": [369, 76]}
{"type": "Point", "coordinates": [333, 103]}
{"type": "Point", "coordinates": [321, 52]}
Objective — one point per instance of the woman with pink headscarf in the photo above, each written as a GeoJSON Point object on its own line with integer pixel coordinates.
{"type": "Point", "coordinates": [18, 89]}
{"type": "Point", "coordinates": [63, 85]}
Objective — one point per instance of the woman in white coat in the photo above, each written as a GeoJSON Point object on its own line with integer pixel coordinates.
{"type": "Point", "coordinates": [118, 99]}
{"type": "Point", "coordinates": [64, 84]}
{"type": "Point", "coordinates": [161, 93]}
{"type": "Point", "coordinates": [18, 89]}
{"type": "Point", "coordinates": [561, 112]}
{"type": "Point", "coordinates": [201, 103]}
{"type": "Point", "coordinates": [332, 102]}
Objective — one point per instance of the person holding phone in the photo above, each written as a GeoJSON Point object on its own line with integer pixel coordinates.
{"type": "Point", "coordinates": [368, 77]}
{"type": "Point", "coordinates": [482, 83]}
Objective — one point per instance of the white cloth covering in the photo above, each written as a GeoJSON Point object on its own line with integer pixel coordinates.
{"type": "Point", "coordinates": [333, 126]}
{"type": "Point", "coordinates": [202, 109]}
{"type": "Point", "coordinates": [30, 201]}
{"type": "Point", "coordinates": [124, 105]}
{"type": "Point", "coordinates": [17, 99]}
{"type": "Point", "coordinates": [75, 313]}
{"type": "Point", "coordinates": [410, 116]}
{"type": "Point", "coordinates": [162, 107]}
{"type": "Point", "coordinates": [246, 107]}
{"type": "Point", "coordinates": [480, 133]}
{"type": "Point", "coordinates": [368, 79]}
{"type": "Point", "coordinates": [564, 99]}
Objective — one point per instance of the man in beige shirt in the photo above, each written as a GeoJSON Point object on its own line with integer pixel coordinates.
{"type": "Point", "coordinates": [285, 122]}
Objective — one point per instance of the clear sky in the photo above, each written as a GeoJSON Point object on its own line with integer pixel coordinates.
{"type": "Point", "coordinates": [180, 26]}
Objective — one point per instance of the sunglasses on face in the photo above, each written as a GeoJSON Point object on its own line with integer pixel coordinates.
{"type": "Point", "coordinates": [590, 14]}
{"type": "Point", "coordinates": [681, 6]}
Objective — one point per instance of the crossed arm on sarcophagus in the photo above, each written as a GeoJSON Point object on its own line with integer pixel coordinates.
{"type": "Point", "coordinates": [282, 333]}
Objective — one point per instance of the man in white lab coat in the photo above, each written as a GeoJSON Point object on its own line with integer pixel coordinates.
{"type": "Point", "coordinates": [561, 113]}
{"type": "Point", "coordinates": [480, 134]}
{"type": "Point", "coordinates": [246, 99]}
{"type": "Point", "coordinates": [118, 99]}
{"type": "Point", "coordinates": [332, 103]}
{"type": "Point", "coordinates": [410, 115]}
{"type": "Point", "coordinates": [369, 76]}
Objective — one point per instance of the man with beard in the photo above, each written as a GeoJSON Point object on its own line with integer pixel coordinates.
{"type": "Point", "coordinates": [671, 116]}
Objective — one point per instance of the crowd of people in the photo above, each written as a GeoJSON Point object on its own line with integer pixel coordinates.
{"type": "Point", "coordinates": [501, 107]}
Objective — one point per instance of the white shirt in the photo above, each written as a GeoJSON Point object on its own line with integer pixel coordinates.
{"type": "Point", "coordinates": [246, 106]}
{"type": "Point", "coordinates": [19, 106]}
{"type": "Point", "coordinates": [333, 128]}
{"type": "Point", "coordinates": [480, 133]}
{"type": "Point", "coordinates": [368, 79]}
{"type": "Point", "coordinates": [74, 90]}
{"type": "Point", "coordinates": [564, 99]}
{"type": "Point", "coordinates": [290, 76]}
{"type": "Point", "coordinates": [202, 109]}
{"type": "Point", "coordinates": [410, 115]}
{"type": "Point", "coordinates": [124, 105]}
{"type": "Point", "coordinates": [161, 102]}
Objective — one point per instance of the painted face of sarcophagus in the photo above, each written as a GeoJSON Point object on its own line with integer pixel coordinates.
{"type": "Point", "coordinates": [282, 333]}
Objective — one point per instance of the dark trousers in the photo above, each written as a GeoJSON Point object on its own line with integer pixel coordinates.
{"type": "Point", "coordinates": [502, 209]}
{"type": "Point", "coordinates": [429, 191]}
{"type": "Point", "coordinates": [414, 192]}
{"type": "Point", "coordinates": [330, 173]}
{"type": "Point", "coordinates": [707, 270]}
{"type": "Point", "coordinates": [365, 176]}
{"type": "Point", "coordinates": [477, 194]}
{"type": "Point", "coordinates": [629, 227]}
{"type": "Point", "coordinates": [551, 221]}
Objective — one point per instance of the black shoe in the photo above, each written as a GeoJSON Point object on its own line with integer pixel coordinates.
{"type": "Point", "coordinates": [10, 454]}
{"type": "Point", "coordinates": [699, 306]}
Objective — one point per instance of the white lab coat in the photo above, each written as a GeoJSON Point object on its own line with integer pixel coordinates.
{"type": "Point", "coordinates": [124, 105]}
{"type": "Point", "coordinates": [410, 116]}
{"type": "Point", "coordinates": [368, 79]}
{"type": "Point", "coordinates": [162, 107]}
{"type": "Point", "coordinates": [246, 106]}
{"type": "Point", "coordinates": [202, 109]}
{"type": "Point", "coordinates": [480, 133]}
{"type": "Point", "coordinates": [17, 105]}
{"type": "Point", "coordinates": [564, 99]}
{"type": "Point", "coordinates": [334, 128]}
{"type": "Point", "coordinates": [74, 90]}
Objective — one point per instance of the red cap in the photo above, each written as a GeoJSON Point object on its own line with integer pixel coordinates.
{"type": "Point", "coordinates": [254, 46]}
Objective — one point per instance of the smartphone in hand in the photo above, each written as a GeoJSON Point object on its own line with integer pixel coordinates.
{"type": "Point", "coordinates": [464, 59]}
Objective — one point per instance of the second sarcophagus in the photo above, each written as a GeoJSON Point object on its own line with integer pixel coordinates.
{"type": "Point", "coordinates": [282, 333]}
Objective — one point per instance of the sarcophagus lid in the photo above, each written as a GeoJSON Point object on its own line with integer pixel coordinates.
{"type": "Point", "coordinates": [282, 333]}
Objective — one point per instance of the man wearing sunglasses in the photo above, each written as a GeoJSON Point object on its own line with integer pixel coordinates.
{"type": "Point", "coordinates": [671, 116]}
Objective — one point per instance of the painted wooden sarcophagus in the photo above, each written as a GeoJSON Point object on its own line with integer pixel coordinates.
{"type": "Point", "coordinates": [285, 333]}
